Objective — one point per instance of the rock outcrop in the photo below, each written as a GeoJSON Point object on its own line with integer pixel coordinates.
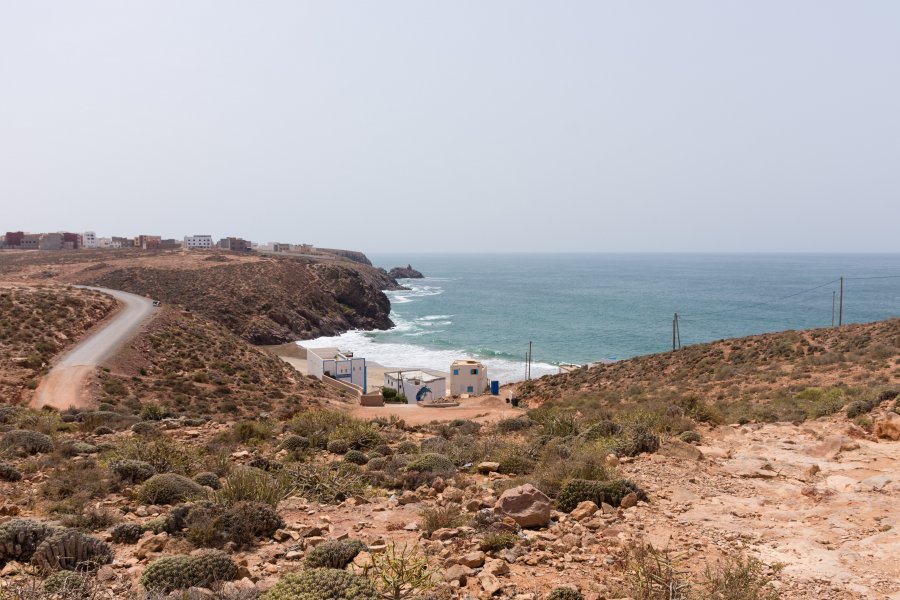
{"type": "Point", "coordinates": [406, 272]}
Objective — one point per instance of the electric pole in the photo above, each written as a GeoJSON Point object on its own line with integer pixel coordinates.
{"type": "Point", "coordinates": [841, 304]}
{"type": "Point", "coordinates": [832, 308]}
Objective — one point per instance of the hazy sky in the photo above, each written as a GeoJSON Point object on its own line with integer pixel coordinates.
{"type": "Point", "coordinates": [457, 126]}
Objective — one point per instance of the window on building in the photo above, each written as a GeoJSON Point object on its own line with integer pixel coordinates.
{"type": "Point", "coordinates": [456, 371]}
{"type": "Point", "coordinates": [474, 371]}
{"type": "Point", "coordinates": [470, 389]}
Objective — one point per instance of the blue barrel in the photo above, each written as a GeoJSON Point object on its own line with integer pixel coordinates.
{"type": "Point", "coordinates": [495, 388]}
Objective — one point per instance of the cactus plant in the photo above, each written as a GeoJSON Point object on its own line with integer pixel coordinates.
{"type": "Point", "coordinates": [169, 488]}
{"type": "Point", "coordinates": [322, 584]}
{"type": "Point", "coordinates": [635, 439]}
{"type": "Point", "coordinates": [334, 554]}
{"type": "Point", "coordinates": [689, 436]}
{"type": "Point", "coordinates": [293, 442]}
{"type": "Point", "coordinates": [338, 446]}
{"type": "Point", "coordinates": [181, 571]}
{"type": "Point", "coordinates": [71, 550]}
{"type": "Point", "coordinates": [247, 521]}
{"type": "Point", "coordinates": [356, 457]}
{"type": "Point", "coordinates": [69, 584]}
{"type": "Point", "coordinates": [611, 492]}
{"type": "Point", "coordinates": [19, 539]}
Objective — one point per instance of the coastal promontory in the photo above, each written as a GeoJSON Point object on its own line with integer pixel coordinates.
{"type": "Point", "coordinates": [406, 272]}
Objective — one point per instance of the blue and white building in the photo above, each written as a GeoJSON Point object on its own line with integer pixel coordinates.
{"type": "Point", "coordinates": [331, 362]}
{"type": "Point", "coordinates": [417, 386]}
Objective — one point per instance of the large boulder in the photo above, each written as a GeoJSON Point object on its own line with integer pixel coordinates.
{"type": "Point", "coordinates": [889, 427]}
{"type": "Point", "coordinates": [526, 505]}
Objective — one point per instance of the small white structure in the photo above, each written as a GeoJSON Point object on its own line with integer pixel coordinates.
{"type": "Point", "coordinates": [331, 362]}
{"type": "Point", "coordinates": [198, 241]}
{"type": "Point", "coordinates": [417, 386]}
{"type": "Point", "coordinates": [468, 377]}
{"type": "Point", "coordinates": [88, 239]}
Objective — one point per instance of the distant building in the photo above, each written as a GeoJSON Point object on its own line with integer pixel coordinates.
{"type": "Point", "coordinates": [50, 241]}
{"type": "Point", "coordinates": [331, 362]}
{"type": "Point", "coordinates": [468, 377]}
{"type": "Point", "coordinates": [121, 242]}
{"type": "Point", "coordinates": [148, 242]}
{"type": "Point", "coordinates": [70, 241]}
{"type": "Point", "coordinates": [88, 239]}
{"type": "Point", "coordinates": [31, 241]}
{"type": "Point", "coordinates": [276, 247]}
{"type": "Point", "coordinates": [416, 386]}
{"type": "Point", "coordinates": [235, 244]}
{"type": "Point", "coordinates": [201, 242]}
{"type": "Point", "coordinates": [14, 239]}
{"type": "Point", "coordinates": [169, 244]}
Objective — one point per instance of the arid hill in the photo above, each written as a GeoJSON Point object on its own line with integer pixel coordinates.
{"type": "Point", "coordinates": [38, 323]}
{"type": "Point", "coordinates": [263, 298]}
{"type": "Point", "coordinates": [754, 378]}
{"type": "Point", "coordinates": [186, 364]}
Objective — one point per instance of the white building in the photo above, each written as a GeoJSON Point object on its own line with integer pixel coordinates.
{"type": "Point", "coordinates": [88, 239]}
{"type": "Point", "coordinates": [417, 386]}
{"type": "Point", "coordinates": [198, 241]}
{"type": "Point", "coordinates": [331, 362]}
{"type": "Point", "coordinates": [468, 377]}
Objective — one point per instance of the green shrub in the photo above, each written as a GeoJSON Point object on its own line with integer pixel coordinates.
{"type": "Point", "coordinates": [71, 550]}
{"type": "Point", "coordinates": [31, 442]}
{"type": "Point", "coordinates": [162, 453]}
{"type": "Point", "coordinates": [322, 584]}
{"type": "Point", "coordinates": [334, 554]}
{"type": "Point", "coordinates": [377, 463]}
{"type": "Point", "coordinates": [19, 539]}
{"type": "Point", "coordinates": [442, 517]}
{"type": "Point", "coordinates": [494, 542]}
{"type": "Point", "coordinates": [69, 584]}
{"type": "Point", "coordinates": [338, 446]}
{"type": "Point", "coordinates": [431, 462]}
{"type": "Point", "coordinates": [144, 428]}
{"type": "Point", "coordinates": [636, 439]}
{"type": "Point", "coordinates": [317, 425]}
{"type": "Point", "coordinates": [388, 393]}
{"type": "Point", "coordinates": [154, 412]}
{"type": "Point", "coordinates": [248, 431]}
{"type": "Point", "coordinates": [740, 579]}
{"type": "Point", "coordinates": [360, 435]}
{"type": "Point", "coordinates": [565, 593]}
{"type": "Point", "coordinates": [181, 572]}
{"type": "Point", "coordinates": [132, 471]}
{"type": "Point", "coordinates": [514, 424]}
{"type": "Point", "coordinates": [248, 521]}
{"type": "Point", "coordinates": [169, 488]}
{"type": "Point", "coordinates": [127, 533]}
{"type": "Point", "coordinates": [598, 492]}
{"type": "Point", "coordinates": [248, 484]}
{"type": "Point", "coordinates": [103, 430]}
{"type": "Point", "coordinates": [407, 447]}
{"type": "Point", "coordinates": [293, 442]}
{"type": "Point", "coordinates": [689, 437]}
{"type": "Point", "coordinates": [329, 483]}
{"type": "Point", "coordinates": [207, 479]}
{"type": "Point", "coordinates": [9, 473]}
{"type": "Point", "coordinates": [356, 457]}
{"type": "Point", "coordinates": [600, 430]}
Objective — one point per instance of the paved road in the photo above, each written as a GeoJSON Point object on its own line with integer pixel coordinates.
{"type": "Point", "coordinates": [64, 385]}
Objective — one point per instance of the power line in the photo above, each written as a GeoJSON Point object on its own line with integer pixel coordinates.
{"type": "Point", "coordinates": [876, 277]}
{"type": "Point", "coordinates": [762, 303]}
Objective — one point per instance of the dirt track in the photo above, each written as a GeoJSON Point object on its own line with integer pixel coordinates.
{"type": "Point", "coordinates": [65, 384]}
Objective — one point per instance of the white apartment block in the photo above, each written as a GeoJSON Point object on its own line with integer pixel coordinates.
{"type": "Point", "coordinates": [198, 241]}
{"type": "Point", "coordinates": [88, 239]}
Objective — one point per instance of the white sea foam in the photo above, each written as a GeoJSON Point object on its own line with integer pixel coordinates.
{"type": "Point", "coordinates": [411, 356]}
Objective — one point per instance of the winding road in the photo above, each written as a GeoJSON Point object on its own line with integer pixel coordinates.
{"type": "Point", "coordinates": [65, 384]}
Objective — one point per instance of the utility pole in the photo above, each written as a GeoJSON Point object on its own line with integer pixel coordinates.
{"type": "Point", "coordinates": [675, 333]}
{"type": "Point", "coordinates": [841, 304]}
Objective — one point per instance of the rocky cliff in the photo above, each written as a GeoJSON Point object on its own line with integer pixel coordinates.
{"type": "Point", "coordinates": [406, 272]}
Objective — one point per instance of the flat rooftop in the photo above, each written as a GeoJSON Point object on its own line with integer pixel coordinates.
{"type": "Point", "coordinates": [414, 375]}
{"type": "Point", "coordinates": [330, 353]}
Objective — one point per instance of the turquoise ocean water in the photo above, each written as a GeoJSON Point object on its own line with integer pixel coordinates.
{"type": "Point", "coordinates": [584, 307]}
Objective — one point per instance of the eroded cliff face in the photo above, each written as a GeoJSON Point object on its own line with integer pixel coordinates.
{"type": "Point", "coordinates": [406, 272]}
{"type": "Point", "coordinates": [271, 300]}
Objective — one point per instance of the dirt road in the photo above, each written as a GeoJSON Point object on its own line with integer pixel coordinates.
{"type": "Point", "coordinates": [64, 385]}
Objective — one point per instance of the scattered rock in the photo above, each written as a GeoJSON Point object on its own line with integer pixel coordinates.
{"type": "Point", "coordinates": [584, 510]}
{"type": "Point", "coordinates": [888, 427]}
{"type": "Point", "coordinates": [526, 505]}
{"type": "Point", "coordinates": [488, 467]}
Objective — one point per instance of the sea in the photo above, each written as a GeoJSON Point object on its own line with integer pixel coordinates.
{"type": "Point", "coordinates": [581, 308]}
